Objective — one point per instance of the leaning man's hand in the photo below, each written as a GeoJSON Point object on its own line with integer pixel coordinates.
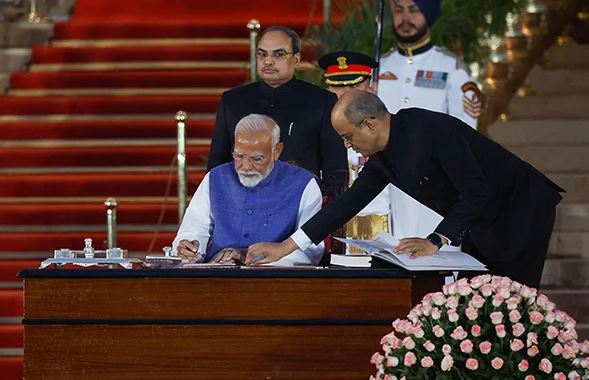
{"type": "Point", "coordinates": [263, 253]}
{"type": "Point", "coordinates": [188, 249]}
{"type": "Point", "coordinates": [417, 247]}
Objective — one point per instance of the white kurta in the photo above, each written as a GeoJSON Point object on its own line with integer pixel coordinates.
{"type": "Point", "coordinates": [435, 80]}
{"type": "Point", "coordinates": [198, 223]}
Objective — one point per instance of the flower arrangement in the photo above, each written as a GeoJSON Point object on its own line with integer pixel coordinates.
{"type": "Point", "coordinates": [489, 327]}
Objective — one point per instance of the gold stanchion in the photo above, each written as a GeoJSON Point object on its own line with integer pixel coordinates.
{"type": "Point", "coordinates": [111, 221]}
{"type": "Point", "coordinates": [34, 17]}
{"type": "Point", "coordinates": [253, 26]}
{"type": "Point", "coordinates": [181, 118]}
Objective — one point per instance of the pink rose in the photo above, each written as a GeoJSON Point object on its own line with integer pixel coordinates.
{"type": "Point", "coordinates": [536, 317]}
{"type": "Point", "coordinates": [438, 298]}
{"type": "Point", "coordinates": [500, 330]}
{"type": "Point", "coordinates": [532, 338]}
{"type": "Point", "coordinates": [477, 301]}
{"type": "Point", "coordinates": [391, 340]}
{"type": "Point", "coordinates": [429, 346]}
{"type": "Point", "coordinates": [452, 302]}
{"type": "Point", "coordinates": [427, 362]}
{"type": "Point", "coordinates": [475, 330]}
{"type": "Point", "coordinates": [523, 365]}
{"type": "Point", "coordinates": [471, 313]}
{"type": "Point", "coordinates": [447, 363]}
{"type": "Point", "coordinates": [472, 364]}
{"type": "Point", "coordinates": [565, 336]}
{"type": "Point", "coordinates": [459, 333]}
{"type": "Point", "coordinates": [487, 290]}
{"type": "Point", "coordinates": [478, 281]}
{"type": "Point", "coordinates": [549, 317]}
{"type": "Point", "coordinates": [498, 300]}
{"type": "Point", "coordinates": [409, 359]}
{"type": "Point", "coordinates": [497, 363]}
{"type": "Point", "coordinates": [464, 289]}
{"type": "Point", "coordinates": [568, 352]}
{"type": "Point", "coordinates": [450, 289]}
{"type": "Point", "coordinates": [533, 351]}
{"type": "Point", "coordinates": [512, 303]}
{"type": "Point", "coordinates": [574, 376]}
{"type": "Point", "coordinates": [392, 361]}
{"type": "Point", "coordinates": [518, 329]}
{"type": "Point", "coordinates": [418, 332]}
{"type": "Point", "coordinates": [557, 349]}
{"type": "Point", "coordinates": [545, 365]}
{"type": "Point", "coordinates": [530, 377]}
{"type": "Point", "coordinates": [496, 317]}
{"type": "Point", "coordinates": [466, 346]}
{"type": "Point", "coordinates": [438, 331]}
{"type": "Point", "coordinates": [452, 315]}
{"type": "Point", "coordinates": [485, 347]}
{"type": "Point", "coordinates": [514, 316]}
{"type": "Point", "coordinates": [516, 345]}
{"type": "Point", "coordinates": [446, 349]}
{"type": "Point", "coordinates": [376, 358]}
{"type": "Point", "coordinates": [551, 332]}
{"type": "Point", "coordinates": [408, 343]}
{"type": "Point", "coordinates": [435, 313]}
{"type": "Point", "coordinates": [560, 376]}
{"type": "Point", "coordinates": [542, 301]}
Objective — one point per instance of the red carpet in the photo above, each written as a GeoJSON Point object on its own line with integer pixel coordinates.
{"type": "Point", "coordinates": [90, 185]}
{"type": "Point", "coordinates": [11, 336]}
{"type": "Point", "coordinates": [85, 214]}
{"type": "Point", "coordinates": [48, 241]}
{"type": "Point", "coordinates": [12, 302]}
{"type": "Point", "coordinates": [8, 273]}
{"type": "Point", "coordinates": [50, 54]}
{"type": "Point", "coordinates": [44, 105]}
{"type": "Point", "coordinates": [107, 129]}
{"type": "Point", "coordinates": [98, 156]}
{"type": "Point", "coordinates": [12, 367]}
{"type": "Point", "coordinates": [128, 79]}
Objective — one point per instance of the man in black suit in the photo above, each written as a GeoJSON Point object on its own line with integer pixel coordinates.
{"type": "Point", "coordinates": [301, 109]}
{"type": "Point", "coordinates": [492, 201]}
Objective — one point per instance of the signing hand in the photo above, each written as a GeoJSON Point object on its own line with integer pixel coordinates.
{"type": "Point", "coordinates": [263, 253]}
{"type": "Point", "coordinates": [229, 254]}
{"type": "Point", "coordinates": [417, 247]}
{"type": "Point", "coordinates": [188, 249]}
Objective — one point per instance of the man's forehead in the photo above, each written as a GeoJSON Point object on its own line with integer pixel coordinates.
{"type": "Point", "coordinates": [274, 40]}
{"type": "Point", "coordinates": [404, 3]}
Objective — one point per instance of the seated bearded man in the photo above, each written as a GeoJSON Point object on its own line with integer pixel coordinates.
{"type": "Point", "coordinates": [252, 199]}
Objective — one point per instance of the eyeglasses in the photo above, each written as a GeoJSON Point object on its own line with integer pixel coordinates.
{"type": "Point", "coordinates": [278, 55]}
{"type": "Point", "coordinates": [254, 159]}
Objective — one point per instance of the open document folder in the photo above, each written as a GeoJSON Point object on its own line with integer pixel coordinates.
{"type": "Point", "coordinates": [383, 244]}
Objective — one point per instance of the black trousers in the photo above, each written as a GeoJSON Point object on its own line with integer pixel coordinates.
{"type": "Point", "coordinates": [527, 266]}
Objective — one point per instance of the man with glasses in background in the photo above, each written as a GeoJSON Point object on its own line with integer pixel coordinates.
{"type": "Point", "coordinates": [300, 108]}
{"type": "Point", "coordinates": [255, 198]}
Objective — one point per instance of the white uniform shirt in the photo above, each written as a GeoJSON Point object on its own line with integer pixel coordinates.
{"type": "Point", "coordinates": [198, 223]}
{"type": "Point", "coordinates": [435, 80]}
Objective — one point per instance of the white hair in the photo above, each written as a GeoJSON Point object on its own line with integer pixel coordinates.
{"type": "Point", "coordinates": [255, 123]}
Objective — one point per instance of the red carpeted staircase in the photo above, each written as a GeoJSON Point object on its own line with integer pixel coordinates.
{"type": "Point", "coordinates": [92, 117]}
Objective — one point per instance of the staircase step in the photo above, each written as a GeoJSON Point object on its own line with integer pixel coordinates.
{"type": "Point", "coordinates": [93, 184]}
{"type": "Point", "coordinates": [572, 56]}
{"type": "Point", "coordinates": [555, 158]}
{"type": "Point", "coordinates": [575, 184]}
{"type": "Point", "coordinates": [559, 81]}
{"type": "Point", "coordinates": [12, 303]}
{"type": "Point", "coordinates": [52, 54]}
{"type": "Point", "coordinates": [14, 59]}
{"type": "Point", "coordinates": [48, 241]}
{"type": "Point", "coordinates": [566, 273]}
{"type": "Point", "coordinates": [128, 79]}
{"type": "Point", "coordinates": [572, 217]}
{"type": "Point", "coordinates": [106, 104]}
{"type": "Point", "coordinates": [12, 367]}
{"type": "Point", "coordinates": [9, 270]}
{"type": "Point", "coordinates": [11, 336]}
{"type": "Point", "coordinates": [84, 213]}
{"type": "Point", "coordinates": [98, 156]}
{"type": "Point", "coordinates": [572, 301]}
{"type": "Point", "coordinates": [103, 129]}
{"type": "Point", "coordinates": [540, 132]}
{"type": "Point", "coordinates": [569, 245]}
{"type": "Point", "coordinates": [565, 106]}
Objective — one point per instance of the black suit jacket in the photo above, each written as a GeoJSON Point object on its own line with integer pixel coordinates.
{"type": "Point", "coordinates": [303, 112]}
{"type": "Point", "coordinates": [480, 188]}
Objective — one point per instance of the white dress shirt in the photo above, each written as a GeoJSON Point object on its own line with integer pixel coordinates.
{"type": "Point", "coordinates": [198, 223]}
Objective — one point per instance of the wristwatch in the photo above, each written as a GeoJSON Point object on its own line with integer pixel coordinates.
{"type": "Point", "coordinates": [435, 239]}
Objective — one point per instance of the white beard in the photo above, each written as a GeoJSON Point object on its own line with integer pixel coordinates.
{"type": "Point", "coordinates": [252, 178]}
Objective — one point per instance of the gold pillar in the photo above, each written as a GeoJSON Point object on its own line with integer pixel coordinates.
{"type": "Point", "coordinates": [253, 26]}
{"type": "Point", "coordinates": [111, 222]}
{"type": "Point", "coordinates": [181, 118]}
{"type": "Point", "coordinates": [34, 17]}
